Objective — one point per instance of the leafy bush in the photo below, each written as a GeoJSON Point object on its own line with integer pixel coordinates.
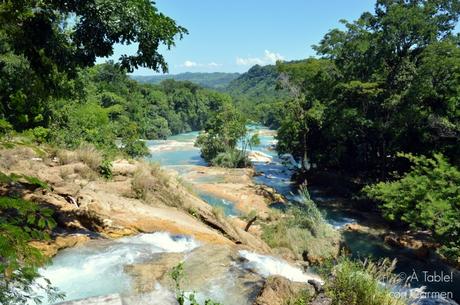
{"type": "Point", "coordinates": [77, 123]}
{"type": "Point", "coordinates": [33, 181]}
{"type": "Point", "coordinates": [40, 134]}
{"type": "Point", "coordinates": [177, 274]}
{"type": "Point", "coordinates": [210, 146]}
{"type": "Point", "coordinates": [105, 169]}
{"type": "Point", "coordinates": [362, 283]}
{"type": "Point", "coordinates": [223, 131]}
{"type": "Point", "coordinates": [426, 197]}
{"type": "Point", "coordinates": [5, 127]}
{"type": "Point", "coordinates": [135, 148]}
{"type": "Point", "coordinates": [231, 159]}
{"type": "Point", "coordinates": [21, 222]}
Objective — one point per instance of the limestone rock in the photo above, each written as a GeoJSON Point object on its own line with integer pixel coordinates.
{"type": "Point", "coordinates": [257, 156]}
{"type": "Point", "coordinates": [146, 275]}
{"type": "Point", "coordinates": [123, 168]}
{"type": "Point", "coordinates": [278, 290]}
{"type": "Point", "coordinates": [50, 248]}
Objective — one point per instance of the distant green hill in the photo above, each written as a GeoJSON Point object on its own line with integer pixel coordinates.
{"type": "Point", "coordinates": [255, 92]}
{"type": "Point", "coordinates": [258, 83]}
{"type": "Point", "coordinates": [216, 80]}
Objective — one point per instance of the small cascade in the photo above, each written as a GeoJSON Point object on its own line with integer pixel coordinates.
{"type": "Point", "coordinates": [97, 268]}
{"type": "Point", "coordinates": [268, 265]}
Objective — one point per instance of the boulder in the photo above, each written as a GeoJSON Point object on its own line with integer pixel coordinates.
{"type": "Point", "coordinates": [257, 156]}
{"type": "Point", "coordinates": [269, 193]}
{"type": "Point", "coordinates": [123, 168]}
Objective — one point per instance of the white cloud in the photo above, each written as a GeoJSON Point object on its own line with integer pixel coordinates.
{"type": "Point", "coordinates": [268, 58]}
{"type": "Point", "coordinates": [272, 56]}
{"type": "Point", "coordinates": [190, 64]}
{"type": "Point", "coordinates": [213, 64]}
{"type": "Point", "coordinates": [194, 64]}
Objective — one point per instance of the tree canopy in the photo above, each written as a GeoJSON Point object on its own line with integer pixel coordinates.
{"type": "Point", "coordinates": [388, 82]}
{"type": "Point", "coordinates": [44, 43]}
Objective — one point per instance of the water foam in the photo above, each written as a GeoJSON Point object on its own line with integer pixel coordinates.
{"type": "Point", "coordinates": [163, 242]}
{"type": "Point", "coordinates": [268, 265]}
{"type": "Point", "coordinates": [98, 268]}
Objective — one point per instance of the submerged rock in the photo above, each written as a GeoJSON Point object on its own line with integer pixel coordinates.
{"type": "Point", "coordinates": [211, 270]}
{"type": "Point", "coordinates": [113, 299]}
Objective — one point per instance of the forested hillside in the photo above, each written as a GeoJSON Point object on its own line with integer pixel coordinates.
{"type": "Point", "coordinates": [109, 105]}
{"type": "Point", "coordinates": [216, 80]}
{"type": "Point", "coordinates": [257, 93]}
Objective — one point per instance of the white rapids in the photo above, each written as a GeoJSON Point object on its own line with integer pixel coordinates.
{"type": "Point", "coordinates": [268, 265]}
{"type": "Point", "coordinates": [97, 268]}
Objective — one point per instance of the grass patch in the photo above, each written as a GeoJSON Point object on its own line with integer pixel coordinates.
{"type": "Point", "coordinates": [360, 283]}
{"type": "Point", "coordinates": [89, 155]}
{"type": "Point", "coordinates": [304, 231]}
{"type": "Point", "coordinates": [302, 298]}
{"type": "Point", "coordinates": [187, 185]}
{"type": "Point", "coordinates": [85, 172]}
{"type": "Point", "coordinates": [218, 212]}
{"type": "Point", "coordinates": [151, 184]}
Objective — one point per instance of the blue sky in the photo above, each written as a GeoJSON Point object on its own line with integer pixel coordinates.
{"type": "Point", "coordinates": [233, 35]}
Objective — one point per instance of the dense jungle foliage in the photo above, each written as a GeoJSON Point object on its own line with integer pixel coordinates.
{"type": "Point", "coordinates": [386, 84]}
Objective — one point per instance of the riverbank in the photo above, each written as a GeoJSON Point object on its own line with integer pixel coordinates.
{"type": "Point", "coordinates": [138, 198]}
{"type": "Point", "coordinates": [366, 233]}
{"type": "Point", "coordinates": [114, 227]}
{"type": "Point", "coordinates": [336, 192]}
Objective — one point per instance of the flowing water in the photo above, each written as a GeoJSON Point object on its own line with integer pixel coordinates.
{"type": "Point", "coordinates": [98, 267]}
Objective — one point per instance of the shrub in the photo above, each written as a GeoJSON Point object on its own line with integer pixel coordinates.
{"type": "Point", "coordinates": [218, 212]}
{"type": "Point", "coordinates": [231, 159]}
{"type": "Point", "coordinates": [148, 178]}
{"type": "Point", "coordinates": [85, 171]}
{"type": "Point", "coordinates": [5, 127]}
{"type": "Point", "coordinates": [105, 169]}
{"type": "Point", "coordinates": [223, 130]}
{"type": "Point", "coordinates": [426, 197]}
{"type": "Point", "coordinates": [21, 222]}
{"type": "Point", "coordinates": [210, 146]}
{"type": "Point", "coordinates": [302, 298]}
{"type": "Point", "coordinates": [362, 283]}
{"type": "Point", "coordinates": [40, 134]}
{"type": "Point", "coordinates": [30, 180]}
{"type": "Point", "coordinates": [65, 171]}
{"type": "Point", "coordinates": [135, 148]}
